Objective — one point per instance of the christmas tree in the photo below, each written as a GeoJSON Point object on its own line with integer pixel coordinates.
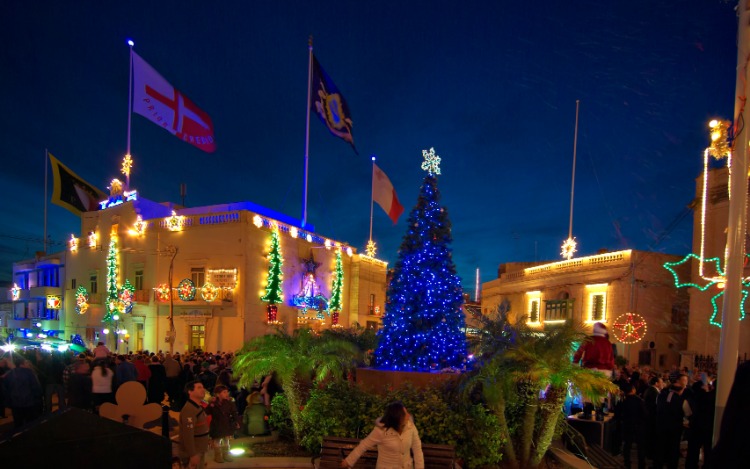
{"type": "Point", "coordinates": [336, 288]}
{"type": "Point", "coordinates": [424, 324]}
{"type": "Point", "coordinates": [112, 296]}
{"type": "Point", "coordinates": [274, 293]}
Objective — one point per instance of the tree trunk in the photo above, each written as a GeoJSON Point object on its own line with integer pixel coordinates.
{"type": "Point", "coordinates": [509, 452]}
{"type": "Point", "coordinates": [294, 400]}
{"type": "Point", "coordinates": [550, 412]}
{"type": "Point", "coordinates": [530, 401]}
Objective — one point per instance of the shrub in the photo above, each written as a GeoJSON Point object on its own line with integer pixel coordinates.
{"type": "Point", "coordinates": [339, 409]}
{"type": "Point", "coordinates": [280, 419]}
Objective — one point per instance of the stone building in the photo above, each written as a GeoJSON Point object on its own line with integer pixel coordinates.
{"type": "Point", "coordinates": [600, 288]}
{"type": "Point", "coordinates": [706, 305]}
{"type": "Point", "coordinates": [207, 265]}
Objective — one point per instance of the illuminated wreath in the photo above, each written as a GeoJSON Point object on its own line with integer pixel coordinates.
{"type": "Point", "coordinates": [186, 290]}
{"type": "Point", "coordinates": [209, 292]}
{"type": "Point", "coordinates": [162, 292]}
{"type": "Point", "coordinates": [629, 328]}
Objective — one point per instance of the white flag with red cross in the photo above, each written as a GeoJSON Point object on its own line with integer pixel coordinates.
{"type": "Point", "coordinates": [161, 103]}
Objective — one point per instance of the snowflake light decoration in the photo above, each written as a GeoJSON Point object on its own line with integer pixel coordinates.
{"type": "Point", "coordinates": [431, 162]}
{"type": "Point", "coordinates": [569, 247]}
{"type": "Point", "coordinates": [370, 250]}
{"type": "Point", "coordinates": [629, 328]}
{"type": "Point", "coordinates": [127, 163]}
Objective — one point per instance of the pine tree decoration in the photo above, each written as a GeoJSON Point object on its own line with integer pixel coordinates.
{"type": "Point", "coordinates": [112, 272]}
{"type": "Point", "coordinates": [334, 306]}
{"type": "Point", "coordinates": [423, 326]}
{"type": "Point", "coordinates": [274, 294]}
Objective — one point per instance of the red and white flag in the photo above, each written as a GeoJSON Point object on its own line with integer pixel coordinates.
{"type": "Point", "coordinates": [158, 101]}
{"type": "Point", "coordinates": [385, 195]}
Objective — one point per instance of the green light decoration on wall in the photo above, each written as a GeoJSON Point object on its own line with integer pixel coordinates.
{"type": "Point", "coordinates": [716, 281]}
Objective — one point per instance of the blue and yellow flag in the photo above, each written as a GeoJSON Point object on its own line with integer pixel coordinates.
{"type": "Point", "coordinates": [329, 104]}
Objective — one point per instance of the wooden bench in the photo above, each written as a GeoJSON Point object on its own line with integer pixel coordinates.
{"type": "Point", "coordinates": [337, 448]}
{"type": "Point", "coordinates": [593, 454]}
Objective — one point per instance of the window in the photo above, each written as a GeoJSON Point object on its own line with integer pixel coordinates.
{"type": "Point", "coordinates": [534, 310]}
{"type": "Point", "coordinates": [372, 304]}
{"type": "Point", "coordinates": [48, 277]}
{"type": "Point", "coordinates": [139, 279]}
{"type": "Point", "coordinates": [598, 303]}
{"type": "Point", "coordinates": [533, 301]}
{"type": "Point", "coordinates": [198, 276]}
{"type": "Point", "coordinates": [94, 284]}
{"type": "Point", "coordinates": [73, 284]}
{"type": "Point", "coordinates": [558, 310]}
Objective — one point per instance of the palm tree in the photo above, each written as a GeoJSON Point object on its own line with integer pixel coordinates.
{"type": "Point", "coordinates": [298, 360]}
{"type": "Point", "coordinates": [533, 369]}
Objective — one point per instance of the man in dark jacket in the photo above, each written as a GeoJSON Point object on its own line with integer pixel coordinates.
{"type": "Point", "coordinates": [631, 415]}
{"type": "Point", "coordinates": [23, 392]}
{"type": "Point", "coordinates": [656, 384]}
{"type": "Point", "coordinates": [671, 410]}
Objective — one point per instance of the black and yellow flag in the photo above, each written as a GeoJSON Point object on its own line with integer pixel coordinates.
{"type": "Point", "coordinates": [71, 192]}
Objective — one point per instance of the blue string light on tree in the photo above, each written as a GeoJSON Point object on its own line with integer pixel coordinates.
{"type": "Point", "coordinates": [423, 326]}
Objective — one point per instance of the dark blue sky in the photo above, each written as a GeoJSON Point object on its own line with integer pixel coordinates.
{"type": "Point", "coordinates": [491, 85]}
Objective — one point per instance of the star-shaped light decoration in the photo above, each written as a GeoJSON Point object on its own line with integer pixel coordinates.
{"type": "Point", "coordinates": [629, 328]}
{"type": "Point", "coordinates": [568, 248]}
{"type": "Point", "coordinates": [717, 280]}
{"type": "Point", "coordinates": [431, 162]}
{"type": "Point", "coordinates": [370, 249]}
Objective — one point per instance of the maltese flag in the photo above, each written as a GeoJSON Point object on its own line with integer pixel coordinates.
{"type": "Point", "coordinates": [385, 195]}
{"type": "Point", "coordinates": [161, 103]}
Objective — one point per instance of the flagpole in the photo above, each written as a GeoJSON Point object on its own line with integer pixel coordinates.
{"type": "Point", "coordinates": [46, 158]}
{"type": "Point", "coordinates": [372, 193]}
{"type": "Point", "coordinates": [573, 178]}
{"type": "Point", "coordinates": [307, 131]}
{"type": "Point", "coordinates": [130, 107]}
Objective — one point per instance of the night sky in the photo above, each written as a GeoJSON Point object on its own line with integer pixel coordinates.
{"type": "Point", "coordinates": [491, 85]}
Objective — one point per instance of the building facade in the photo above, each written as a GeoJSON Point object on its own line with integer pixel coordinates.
{"type": "Point", "coordinates": [600, 288]}
{"type": "Point", "coordinates": [149, 276]}
{"type": "Point", "coordinates": [706, 295]}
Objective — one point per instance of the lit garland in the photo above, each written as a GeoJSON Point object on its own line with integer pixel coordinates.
{"type": "Point", "coordinates": [274, 280]}
{"type": "Point", "coordinates": [209, 292]}
{"type": "Point", "coordinates": [15, 292]}
{"type": "Point", "coordinates": [112, 274]}
{"type": "Point", "coordinates": [336, 288]}
{"type": "Point", "coordinates": [73, 243]}
{"type": "Point", "coordinates": [295, 232]}
{"type": "Point", "coordinates": [629, 328]}
{"type": "Point", "coordinates": [186, 290]}
{"type": "Point", "coordinates": [82, 300]}
{"type": "Point", "coordinates": [163, 292]}
{"type": "Point", "coordinates": [127, 292]}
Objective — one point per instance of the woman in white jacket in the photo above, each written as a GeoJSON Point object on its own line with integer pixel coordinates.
{"type": "Point", "coordinates": [396, 438]}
